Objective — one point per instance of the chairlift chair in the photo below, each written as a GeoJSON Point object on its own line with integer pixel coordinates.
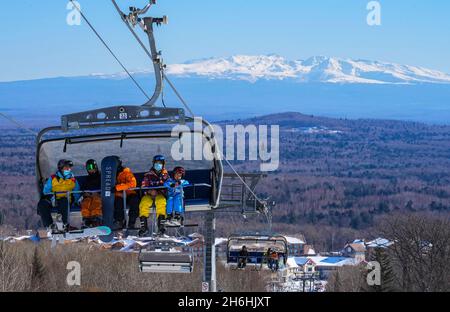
{"type": "Point", "coordinates": [166, 258]}
{"type": "Point", "coordinates": [257, 246]}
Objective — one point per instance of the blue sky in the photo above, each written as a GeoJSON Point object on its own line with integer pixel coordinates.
{"type": "Point", "coordinates": [36, 42]}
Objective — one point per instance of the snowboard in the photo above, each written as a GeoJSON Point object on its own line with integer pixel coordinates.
{"type": "Point", "coordinates": [61, 236]}
{"type": "Point", "coordinates": [109, 174]}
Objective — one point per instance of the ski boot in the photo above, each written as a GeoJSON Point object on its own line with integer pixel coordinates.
{"type": "Point", "coordinates": [179, 219]}
{"type": "Point", "coordinates": [57, 227]}
{"type": "Point", "coordinates": [53, 229]}
{"type": "Point", "coordinates": [161, 232]}
{"type": "Point", "coordinates": [68, 228]}
{"type": "Point", "coordinates": [165, 221]}
{"type": "Point", "coordinates": [131, 224]}
{"type": "Point", "coordinates": [143, 231]}
{"type": "Point", "coordinates": [118, 225]}
{"type": "Point", "coordinates": [97, 222]}
{"type": "Point", "coordinates": [87, 223]}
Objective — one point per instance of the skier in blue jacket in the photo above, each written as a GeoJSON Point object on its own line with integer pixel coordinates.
{"type": "Point", "coordinates": [175, 194]}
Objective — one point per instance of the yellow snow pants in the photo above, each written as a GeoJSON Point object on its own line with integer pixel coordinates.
{"type": "Point", "coordinates": [147, 202]}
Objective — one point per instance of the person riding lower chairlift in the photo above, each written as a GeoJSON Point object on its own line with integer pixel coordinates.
{"type": "Point", "coordinates": [156, 177]}
{"type": "Point", "coordinates": [91, 203]}
{"type": "Point", "coordinates": [267, 254]}
{"type": "Point", "coordinates": [175, 195]}
{"type": "Point", "coordinates": [273, 261]}
{"type": "Point", "coordinates": [124, 182]}
{"type": "Point", "coordinates": [243, 258]}
{"type": "Point", "coordinates": [61, 182]}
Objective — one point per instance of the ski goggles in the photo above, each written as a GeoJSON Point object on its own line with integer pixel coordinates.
{"type": "Point", "coordinates": [90, 167]}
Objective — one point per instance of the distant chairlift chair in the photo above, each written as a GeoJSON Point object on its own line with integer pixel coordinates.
{"type": "Point", "coordinates": [166, 258]}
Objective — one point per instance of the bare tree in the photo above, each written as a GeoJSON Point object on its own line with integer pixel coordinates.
{"type": "Point", "coordinates": [421, 251]}
{"type": "Point", "coordinates": [13, 273]}
{"type": "Point", "coordinates": [347, 279]}
{"type": "Point", "coordinates": [38, 271]}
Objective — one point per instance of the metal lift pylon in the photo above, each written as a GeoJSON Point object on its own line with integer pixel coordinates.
{"type": "Point", "coordinates": [209, 273]}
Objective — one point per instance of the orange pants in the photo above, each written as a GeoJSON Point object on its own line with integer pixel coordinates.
{"type": "Point", "coordinates": [91, 206]}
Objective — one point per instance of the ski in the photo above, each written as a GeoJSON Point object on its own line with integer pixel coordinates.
{"type": "Point", "coordinates": [62, 236]}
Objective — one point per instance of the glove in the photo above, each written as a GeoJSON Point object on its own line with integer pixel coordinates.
{"type": "Point", "coordinates": [80, 200]}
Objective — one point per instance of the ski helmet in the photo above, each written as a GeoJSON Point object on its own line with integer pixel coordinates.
{"type": "Point", "coordinates": [91, 164]}
{"type": "Point", "coordinates": [180, 170]}
{"type": "Point", "coordinates": [64, 163]}
{"type": "Point", "coordinates": [159, 158]}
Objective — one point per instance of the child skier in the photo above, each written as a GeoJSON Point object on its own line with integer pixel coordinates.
{"type": "Point", "coordinates": [156, 177]}
{"type": "Point", "coordinates": [175, 195]}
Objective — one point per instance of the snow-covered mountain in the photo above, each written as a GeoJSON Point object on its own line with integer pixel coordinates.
{"type": "Point", "coordinates": [315, 69]}
{"type": "Point", "coordinates": [243, 86]}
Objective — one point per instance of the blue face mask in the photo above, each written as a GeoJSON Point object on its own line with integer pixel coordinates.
{"type": "Point", "coordinates": [158, 167]}
{"type": "Point", "coordinates": [67, 173]}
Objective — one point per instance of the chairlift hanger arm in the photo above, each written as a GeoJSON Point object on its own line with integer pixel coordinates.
{"type": "Point", "coordinates": [131, 20]}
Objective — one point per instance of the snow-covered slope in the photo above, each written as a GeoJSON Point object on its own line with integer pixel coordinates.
{"type": "Point", "coordinates": [315, 69]}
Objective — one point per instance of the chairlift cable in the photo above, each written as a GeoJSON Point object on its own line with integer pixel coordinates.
{"type": "Point", "coordinates": [266, 212]}
{"type": "Point", "coordinates": [163, 102]}
{"type": "Point", "coordinates": [19, 125]}
{"type": "Point", "coordinates": [109, 49]}
{"type": "Point", "coordinates": [178, 95]}
{"type": "Point", "coordinates": [124, 19]}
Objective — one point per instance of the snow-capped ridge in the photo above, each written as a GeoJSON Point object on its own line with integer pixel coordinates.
{"type": "Point", "coordinates": [316, 69]}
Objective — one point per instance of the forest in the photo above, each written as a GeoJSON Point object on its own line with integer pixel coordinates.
{"type": "Point", "coordinates": [336, 178]}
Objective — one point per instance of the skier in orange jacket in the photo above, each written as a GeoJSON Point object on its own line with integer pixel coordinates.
{"type": "Point", "coordinates": [126, 181]}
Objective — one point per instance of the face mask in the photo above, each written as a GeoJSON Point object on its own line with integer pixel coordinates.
{"type": "Point", "coordinates": [158, 167]}
{"type": "Point", "coordinates": [67, 173]}
{"type": "Point", "coordinates": [92, 173]}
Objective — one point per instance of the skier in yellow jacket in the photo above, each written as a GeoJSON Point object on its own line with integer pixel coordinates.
{"type": "Point", "coordinates": [55, 194]}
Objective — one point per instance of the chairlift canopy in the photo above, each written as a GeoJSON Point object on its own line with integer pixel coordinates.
{"type": "Point", "coordinates": [258, 243]}
{"type": "Point", "coordinates": [257, 247]}
{"type": "Point", "coordinates": [136, 141]}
